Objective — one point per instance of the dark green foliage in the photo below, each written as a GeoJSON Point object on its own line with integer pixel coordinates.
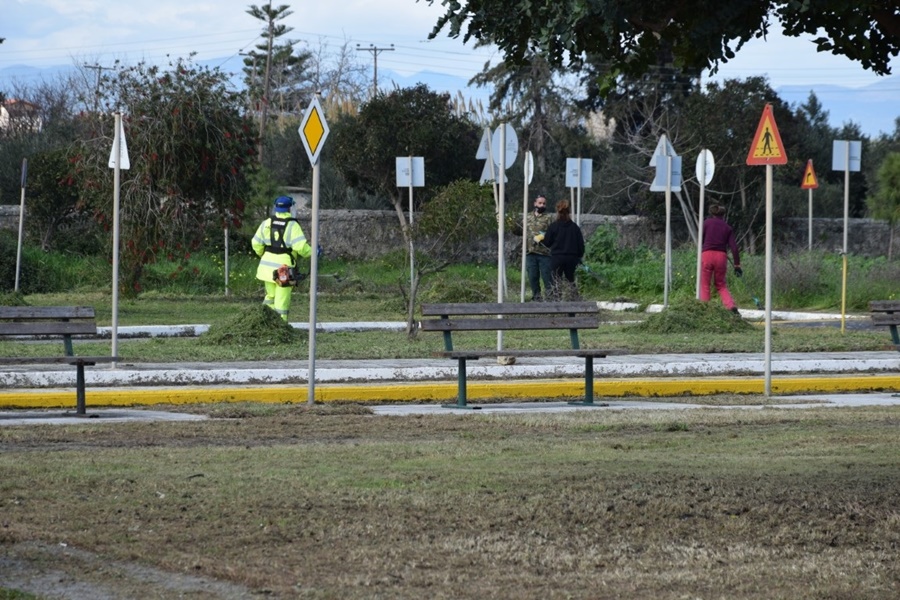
{"type": "Point", "coordinates": [686, 316]}
{"type": "Point", "coordinates": [407, 122]}
{"type": "Point", "coordinates": [28, 272]}
{"type": "Point", "coordinates": [603, 245]}
{"type": "Point", "coordinates": [255, 325]}
{"type": "Point", "coordinates": [191, 149]}
{"type": "Point", "coordinates": [630, 37]}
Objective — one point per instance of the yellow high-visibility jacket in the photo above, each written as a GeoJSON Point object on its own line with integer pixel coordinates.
{"type": "Point", "coordinates": [278, 250]}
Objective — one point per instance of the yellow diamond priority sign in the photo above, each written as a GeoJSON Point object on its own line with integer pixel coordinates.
{"type": "Point", "coordinates": [313, 130]}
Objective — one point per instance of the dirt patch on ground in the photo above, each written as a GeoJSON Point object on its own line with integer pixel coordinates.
{"type": "Point", "coordinates": [332, 502]}
{"type": "Point", "coordinates": [58, 571]}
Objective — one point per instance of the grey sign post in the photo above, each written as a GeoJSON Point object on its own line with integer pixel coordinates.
{"type": "Point", "coordinates": [668, 180]}
{"type": "Point", "coordinates": [846, 156]}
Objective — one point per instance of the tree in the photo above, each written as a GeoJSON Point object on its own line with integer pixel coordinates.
{"type": "Point", "coordinates": [282, 69]}
{"type": "Point", "coordinates": [191, 150]}
{"type": "Point", "coordinates": [724, 118]}
{"type": "Point", "coordinates": [406, 122]}
{"type": "Point", "coordinates": [629, 36]}
{"type": "Point", "coordinates": [457, 214]}
{"type": "Point", "coordinates": [885, 204]}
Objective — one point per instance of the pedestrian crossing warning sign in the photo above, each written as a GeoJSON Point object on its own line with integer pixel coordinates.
{"type": "Point", "coordinates": [767, 148]}
{"type": "Point", "coordinates": [809, 178]}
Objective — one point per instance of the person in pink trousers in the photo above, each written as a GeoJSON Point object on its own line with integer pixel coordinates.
{"type": "Point", "coordinates": [718, 238]}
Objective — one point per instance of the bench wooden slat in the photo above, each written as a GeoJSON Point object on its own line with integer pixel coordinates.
{"type": "Point", "coordinates": [53, 360]}
{"type": "Point", "coordinates": [509, 308]}
{"type": "Point", "coordinates": [884, 306]}
{"type": "Point", "coordinates": [474, 354]}
{"type": "Point", "coordinates": [46, 312]}
{"type": "Point", "coordinates": [885, 319]}
{"type": "Point", "coordinates": [61, 321]}
{"type": "Point", "coordinates": [487, 324]}
{"type": "Point", "coordinates": [505, 316]}
{"type": "Point", "coordinates": [48, 328]}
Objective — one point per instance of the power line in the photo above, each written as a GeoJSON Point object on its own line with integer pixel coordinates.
{"type": "Point", "coordinates": [375, 50]}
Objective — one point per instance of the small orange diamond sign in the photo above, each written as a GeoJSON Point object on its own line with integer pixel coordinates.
{"type": "Point", "coordinates": [767, 148]}
{"type": "Point", "coordinates": [809, 178]}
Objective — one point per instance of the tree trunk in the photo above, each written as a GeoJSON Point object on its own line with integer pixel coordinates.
{"type": "Point", "coordinates": [411, 328]}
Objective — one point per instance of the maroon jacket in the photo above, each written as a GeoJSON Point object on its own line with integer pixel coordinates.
{"type": "Point", "coordinates": [718, 235]}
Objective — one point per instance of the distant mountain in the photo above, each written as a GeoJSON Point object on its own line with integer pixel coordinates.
{"type": "Point", "coordinates": [874, 108]}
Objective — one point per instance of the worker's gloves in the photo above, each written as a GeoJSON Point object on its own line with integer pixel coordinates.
{"type": "Point", "coordinates": [739, 271]}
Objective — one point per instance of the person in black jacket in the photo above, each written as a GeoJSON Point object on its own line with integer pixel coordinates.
{"type": "Point", "coordinates": [566, 245]}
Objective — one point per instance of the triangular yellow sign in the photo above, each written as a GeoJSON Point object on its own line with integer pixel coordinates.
{"type": "Point", "coordinates": [767, 148]}
{"type": "Point", "coordinates": [809, 178]}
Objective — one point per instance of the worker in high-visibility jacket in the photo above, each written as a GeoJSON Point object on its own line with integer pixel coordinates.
{"type": "Point", "coordinates": [279, 242]}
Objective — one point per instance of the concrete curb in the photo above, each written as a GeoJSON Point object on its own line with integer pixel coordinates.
{"type": "Point", "coordinates": [412, 392]}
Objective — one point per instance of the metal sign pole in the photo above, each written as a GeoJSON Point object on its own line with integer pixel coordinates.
{"type": "Point", "coordinates": [313, 287]}
{"type": "Point", "coordinates": [700, 221]}
{"type": "Point", "coordinates": [117, 145]}
{"type": "Point", "coordinates": [846, 228]}
{"type": "Point", "coordinates": [768, 344]}
{"type": "Point", "coordinates": [667, 277]}
{"type": "Point", "coordinates": [501, 262]}
{"type": "Point", "coordinates": [412, 248]}
{"type": "Point", "coordinates": [21, 223]}
{"type": "Point", "coordinates": [810, 219]}
{"type": "Point", "coordinates": [524, 230]}
{"type": "Point", "coordinates": [227, 291]}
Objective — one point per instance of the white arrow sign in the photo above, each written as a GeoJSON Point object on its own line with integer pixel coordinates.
{"type": "Point", "coordinates": [484, 147]}
{"type": "Point", "coordinates": [659, 182]}
{"type": "Point", "coordinates": [124, 164]}
{"type": "Point", "coordinates": [663, 149]}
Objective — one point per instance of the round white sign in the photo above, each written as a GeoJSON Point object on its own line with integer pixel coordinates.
{"type": "Point", "coordinates": [512, 146]}
{"type": "Point", "coordinates": [706, 166]}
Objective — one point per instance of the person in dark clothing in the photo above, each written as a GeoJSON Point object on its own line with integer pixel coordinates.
{"type": "Point", "coordinates": [566, 243]}
{"type": "Point", "coordinates": [718, 238]}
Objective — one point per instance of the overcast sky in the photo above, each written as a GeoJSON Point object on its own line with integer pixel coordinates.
{"type": "Point", "coordinates": [45, 33]}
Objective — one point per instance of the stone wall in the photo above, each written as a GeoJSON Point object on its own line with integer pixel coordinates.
{"type": "Point", "coordinates": [367, 234]}
{"type": "Point", "coordinates": [9, 217]}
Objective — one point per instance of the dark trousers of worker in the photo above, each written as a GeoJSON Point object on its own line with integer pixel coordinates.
{"type": "Point", "coordinates": [562, 267]}
{"type": "Point", "coordinates": [537, 266]}
{"type": "Point", "coordinates": [713, 267]}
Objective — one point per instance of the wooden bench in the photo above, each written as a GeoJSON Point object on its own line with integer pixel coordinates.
{"type": "Point", "coordinates": [53, 321]}
{"type": "Point", "coordinates": [886, 313]}
{"type": "Point", "coordinates": [508, 316]}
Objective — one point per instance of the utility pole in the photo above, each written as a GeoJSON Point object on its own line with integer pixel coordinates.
{"type": "Point", "coordinates": [97, 88]}
{"type": "Point", "coordinates": [375, 52]}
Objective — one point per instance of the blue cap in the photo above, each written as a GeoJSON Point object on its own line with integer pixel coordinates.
{"type": "Point", "coordinates": [283, 203]}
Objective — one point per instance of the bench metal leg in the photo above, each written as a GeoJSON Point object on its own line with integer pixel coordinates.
{"type": "Point", "coordinates": [895, 336]}
{"type": "Point", "coordinates": [588, 384]}
{"type": "Point", "coordinates": [461, 386]}
{"type": "Point", "coordinates": [79, 388]}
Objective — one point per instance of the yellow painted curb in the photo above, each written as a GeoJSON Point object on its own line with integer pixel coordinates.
{"type": "Point", "coordinates": [443, 391]}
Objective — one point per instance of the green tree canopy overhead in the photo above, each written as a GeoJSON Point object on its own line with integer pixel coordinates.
{"type": "Point", "coordinates": [700, 34]}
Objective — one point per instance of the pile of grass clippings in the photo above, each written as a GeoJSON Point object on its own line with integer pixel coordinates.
{"type": "Point", "coordinates": [255, 325]}
{"type": "Point", "coordinates": [693, 316]}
